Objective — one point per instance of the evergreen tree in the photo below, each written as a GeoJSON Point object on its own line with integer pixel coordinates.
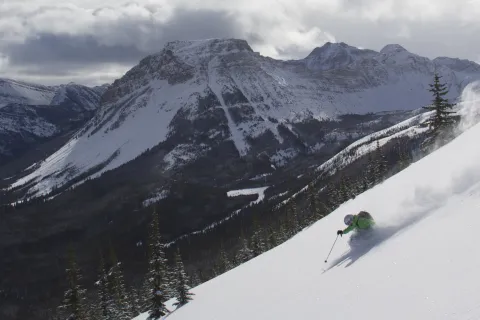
{"type": "Point", "coordinates": [156, 282]}
{"type": "Point", "coordinates": [216, 269]}
{"type": "Point", "coordinates": [370, 172]}
{"type": "Point", "coordinates": [357, 186]}
{"type": "Point", "coordinates": [316, 207]}
{"type": "Point", "coordinates": [182, 290]}
{"type": "Point", "coordinates": [134, 302]}
{"type": "Point", "coordinates": [380, 164]}
{"type": "Point", "coordinates": [311, 205]}
{"type": "Point", "coordinates": [349, 188]}
{"type": "Point", "coordinates": [343, 190]}
{"type": "Point", "coordinates": [225, 263]}
{"type": "Point", "coordinates": [331, 198]}
{"type": "Point", "coordinates": [441, 118]}
{"type": "Point", "coordinates": [195, 279]}
{"type": "Point", "coordinates": [406, 156]}
{"type": "Point", "coordinates": [365, 182]}
{"type": "Point", "coordinates": [170, 281]}
{"type": "Point", "coordinates": [257, 242]}
{"type": "Point", "coordinates": [402, 155]}
{"type": "Point", "coordinates": [293, 221]}
{"type": "Point", "coordinates": [117, 288]}
{"type": "Point", "coordinates": [282, 234]}
{"type": "Point", "coordinates": [73, 304]}
{"type": "Point", "coordinates": [245, 253]}
{"type": "Point", "coordinates": [145, 292]}
{"type": "Point", "coordinates": [105, 303]}
{"type": "Point", "coordinates": [272, 240]}
{"type": "Point", "coordinates": [201, 276]}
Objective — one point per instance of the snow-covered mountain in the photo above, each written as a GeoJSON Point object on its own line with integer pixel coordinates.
{"type": "Point", "coordinates": [411, 127]}
{"type": "Point", "coordinates": [31, 113]}
{"type": "Point", "coordinates": [78, 96]}
{"type": "Point", "coordinates": [418, 263]}
{"type": "Point", "coordinates": [195, 96]}
{"type": "Point", "coordinates": [12, 91]}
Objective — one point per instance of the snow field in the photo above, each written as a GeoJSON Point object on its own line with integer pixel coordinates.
{"type": "Point", "coordinates": [245, 192]}
{"type": "Point", "coordinates": [421, 263]}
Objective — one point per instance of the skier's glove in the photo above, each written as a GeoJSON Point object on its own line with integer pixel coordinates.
{"type": "Point", "coordinates": [340, 232]}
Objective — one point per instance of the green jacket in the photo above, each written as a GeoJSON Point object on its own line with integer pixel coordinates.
{"type": "Point", "coordinates": [360, 223]}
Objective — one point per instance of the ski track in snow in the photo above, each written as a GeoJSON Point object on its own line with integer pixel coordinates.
{"type": "Point", "coordinates": [421, 256]}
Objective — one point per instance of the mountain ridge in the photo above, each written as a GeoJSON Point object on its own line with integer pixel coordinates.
{"type": "Point", "coordinates": [197, 94]}
{"type": "Point", "coordinates": [31, 114]}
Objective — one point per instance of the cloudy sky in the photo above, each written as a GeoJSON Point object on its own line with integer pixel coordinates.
{"type": "Point", "coordinates": [93, 42]}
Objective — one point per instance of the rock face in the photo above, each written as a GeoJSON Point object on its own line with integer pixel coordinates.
{"type": "Point", "coordinates": [31, 114]}
{"type": "Point", "coordinates": [195, 95]}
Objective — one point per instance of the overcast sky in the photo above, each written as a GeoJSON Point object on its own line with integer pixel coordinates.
{"type": "Point", "coordinates": [93, 42]}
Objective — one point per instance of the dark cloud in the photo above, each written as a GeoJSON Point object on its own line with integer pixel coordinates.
{"type": "Point", "coordinates": [105, 42]}
{"type": "Point", "coordinates": [124, 43]}
{"type": "Point", "coordinates": [201, 24]}
{"type": "Point", "coordinates": [254, 38]}
{"type": "Point", "coordinates": [430, 39]}
{"type": "Point", "coordinates": [52, 49]}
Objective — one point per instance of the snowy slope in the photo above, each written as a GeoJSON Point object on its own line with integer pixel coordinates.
{"type": "Point", "coordinates": [19, 92]}
{"type": "Point", "coordinates": [220, 88]}
{"type": "Point", "coordinates": [77, 96]}
{"type": "Point", "coordinates": [29, 113]}
{"type": "Point", "coordinates": [408, 128]}
{"type": "Point", "coordinates": [245, 192]}
{"type": "Point", "coordinates": [12, 91]}
{"type": "Point", "coordinates": [421, 262]}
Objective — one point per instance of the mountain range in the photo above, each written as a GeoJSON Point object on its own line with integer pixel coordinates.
{"type": "Point", "coordinates": [197, 120]}
{"type": "Point", "coordinates": [195, 96]}
{"type": "Point", "coordinates": [31, 114]}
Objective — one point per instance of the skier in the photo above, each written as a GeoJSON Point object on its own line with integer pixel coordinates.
{"type": "Point", "coordinates": [361, 221]}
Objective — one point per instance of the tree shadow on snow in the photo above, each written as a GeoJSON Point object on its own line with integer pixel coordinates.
{"type": "Point", "coordinates": [361, 244]}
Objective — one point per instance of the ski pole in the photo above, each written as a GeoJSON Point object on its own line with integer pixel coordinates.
{"type": "Point", "coordinates": [331, 249]}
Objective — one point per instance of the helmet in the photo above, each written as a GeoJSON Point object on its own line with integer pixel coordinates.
{"type": "Point", "coordinates": [348, 219]}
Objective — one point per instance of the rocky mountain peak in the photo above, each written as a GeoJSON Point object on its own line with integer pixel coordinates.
{"type": "Point", "coordinates": [334, 55]}
{"type": "Point", "coordinates": [175, 63]}
{"type": "Point", "coordinates": [392, 49]}
{"type": "Point", "coordinates": [194, 96]}
{"type": "Point", "coordinates": [207, 48]}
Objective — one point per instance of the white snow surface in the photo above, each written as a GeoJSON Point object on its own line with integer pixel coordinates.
{"type": "Point", "coordinates": [184, 153]}
{"type": "Point", "coordinates": [159, 195]}
{"type": "Point", "coordinates": [421, 262]}
{"type": "Point", "coordinates": [109, 147]}
{"type": "Point", "coordinates": [12, 91]}
{"type": "Point", "coordinates": [361, 147]}
{"type": "Point", "coordinates": [245, 192]}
